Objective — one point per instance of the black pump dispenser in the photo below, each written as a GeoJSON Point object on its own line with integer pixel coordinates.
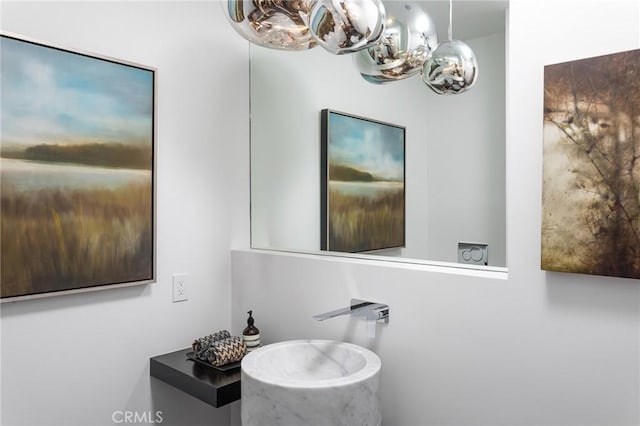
{"type": "Point", "coordinates": [251, 329]}
{"type": "Point", "coordinates": [251, 334]}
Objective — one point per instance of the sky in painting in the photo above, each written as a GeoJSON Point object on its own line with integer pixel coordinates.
{"type": "Point", "coordinates": [367, 146]}
{"type": "Point", "coordinates": [52, 96]}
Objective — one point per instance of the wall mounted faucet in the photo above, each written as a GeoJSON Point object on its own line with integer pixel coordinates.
{"type": "Point", "coordinates": [372, 312]}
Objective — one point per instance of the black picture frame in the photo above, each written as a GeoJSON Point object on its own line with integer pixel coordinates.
{"type": "Point", "coordinates": [363, 183]}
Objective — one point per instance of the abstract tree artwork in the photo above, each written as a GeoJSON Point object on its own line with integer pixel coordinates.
{"type": "Point", "coordinates": [591, 166]}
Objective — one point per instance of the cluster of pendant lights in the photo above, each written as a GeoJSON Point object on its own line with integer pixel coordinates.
{"type": "Point", "coordinates": [390, 40]}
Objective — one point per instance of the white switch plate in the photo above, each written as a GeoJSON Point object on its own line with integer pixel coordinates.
{"type": "Point", "coordinates": [180, 287]}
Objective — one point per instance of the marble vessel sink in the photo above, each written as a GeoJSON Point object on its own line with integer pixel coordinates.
{"type": "Point", "coordinates": [311, 382]}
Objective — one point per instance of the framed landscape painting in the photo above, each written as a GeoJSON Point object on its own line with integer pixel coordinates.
{"type": "Point", "coordinates": [362, 183]}
{"type": "Point", "coordinates": [591, 166]}
{"type": "Point", "coordinates": [77, 152]}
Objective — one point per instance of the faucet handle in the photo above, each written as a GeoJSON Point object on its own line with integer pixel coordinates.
{"type": "Point", "coordinates": [370, 310]}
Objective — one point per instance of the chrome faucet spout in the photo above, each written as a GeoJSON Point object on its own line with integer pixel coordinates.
{"type": "Point", "coordinates": [372, 312]}
{"type": "Point", "coordinates": [332, 314]}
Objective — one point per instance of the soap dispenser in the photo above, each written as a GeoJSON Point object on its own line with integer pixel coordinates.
{"type": "Point", "coordinates": [251, 335]}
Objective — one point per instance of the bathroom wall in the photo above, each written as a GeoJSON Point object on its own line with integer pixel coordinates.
{"type": "Point", "coordinates": [76, 360]}
{"type": "Point", "coordinates": [524, 348]}
{"type": "Point", "coordinates": [285, 194]}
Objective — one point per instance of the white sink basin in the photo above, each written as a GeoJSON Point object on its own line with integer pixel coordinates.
{"type": "Point", "coordinates": [311, 382]}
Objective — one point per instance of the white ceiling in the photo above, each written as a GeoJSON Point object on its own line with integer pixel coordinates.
{"type": "Point", "coordinates": [471, 18]}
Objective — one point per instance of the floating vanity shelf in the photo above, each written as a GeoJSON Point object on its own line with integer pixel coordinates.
{"type": "Point", "coordinates": [213, 387]}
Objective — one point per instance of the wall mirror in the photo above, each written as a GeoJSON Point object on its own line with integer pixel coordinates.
{"type": "Point", "coordinates": [455, 178]}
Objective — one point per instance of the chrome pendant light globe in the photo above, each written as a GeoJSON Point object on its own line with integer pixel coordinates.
{"type": "Point", "coordinates": [452, 68]}
{"type": "Point", "coordinates": [277, 24]}
{"type": "Point", "coordinates": [408, 39]}
{"type": "Point", "coordinates": [346, 26]}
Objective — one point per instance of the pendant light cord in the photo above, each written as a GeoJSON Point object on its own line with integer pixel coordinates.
{"type": "Point", "coordinates": [450, 20]}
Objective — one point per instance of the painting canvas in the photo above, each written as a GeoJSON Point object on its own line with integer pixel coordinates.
{"type": "Point", "coordinates": [77, 171]}
{"type": "Point", "coordinates": [591, 166]}
{"type": "Point", "coordinates": [362, 183]}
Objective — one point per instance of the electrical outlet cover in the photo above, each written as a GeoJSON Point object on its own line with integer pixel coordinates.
{"type": "Point", "coordinates": [180, 287]}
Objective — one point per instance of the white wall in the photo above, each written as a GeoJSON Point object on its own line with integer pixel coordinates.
{"type": "Point", "coordinates": [533, 348]}
{"type": "Point", "coordinates": [74, 360]}
{"type": "Point", "coordinates": [288, 90]}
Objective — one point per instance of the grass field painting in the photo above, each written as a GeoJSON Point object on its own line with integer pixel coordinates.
{"type": "Point", "coordinates": [77, 171]}
{"type": "Point", "coordinates": [591, 166]}
{"type": "Point", "coordinates": [363, 173]}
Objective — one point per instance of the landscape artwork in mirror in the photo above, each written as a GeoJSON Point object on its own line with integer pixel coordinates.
{"type": "Point", "coordinates": [362, 183]}
{"type": "Point", "coordinates": [78, 171]}
{"type": "Point", "coordinates": [591, 166]}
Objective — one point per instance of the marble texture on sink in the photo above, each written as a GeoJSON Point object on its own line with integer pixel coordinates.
{"type": "Point", "coordinates": [311, 382]}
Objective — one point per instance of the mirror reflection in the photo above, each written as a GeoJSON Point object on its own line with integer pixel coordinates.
{"type": "Point", "coordinates": [454, 183]}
